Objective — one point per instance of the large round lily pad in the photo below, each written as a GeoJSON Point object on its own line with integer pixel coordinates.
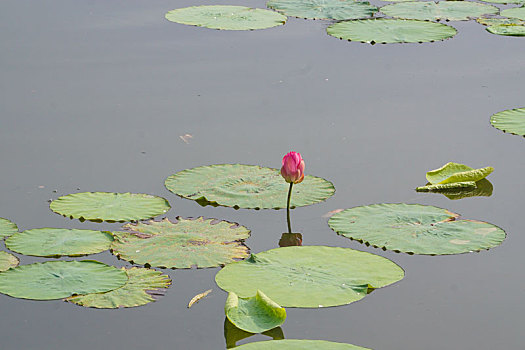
{"type": "Point", "coordinates": [143, 287]}
{"type": "Point", "coordinates": [60, 279]}
{"type": "Point", "coordinates": [182, 244]}
{"type": "Point", "coordinates": [309, 276]}
{"type": "Point", "coordinates": [7, 228]}
{"type": "Point", "coordinates": [324, 9]}
{"type": "Point", "coordinates": [387, 31]}
{"type": "Point", "coordinates": [414, 228]}
{"type": "Point", "coordinates": [298, 344]}
{"type": "Point", "coordinates": [226, 17]}
{"type": "Point", "coordinates": [105, 206]}
{"type": "Point", "coordinates": [7, 261]}
{"type": "Point", "coordinates": [55, 242]}
{"type": "Point", "coordinates": [435, 11]}
{"type": "Point", "coordinates": [515, 12]}
{"type": "Point", "coordinates": [511, 120]}
{"type": "Point", "coordinates": [246, 186]}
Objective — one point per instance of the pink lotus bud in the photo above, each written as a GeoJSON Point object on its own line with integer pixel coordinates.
{"type": "Point", "coordinates": [293, 168]}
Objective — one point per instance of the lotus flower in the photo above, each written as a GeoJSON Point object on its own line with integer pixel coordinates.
{"type": "Point", "coordinates": [293, 168]}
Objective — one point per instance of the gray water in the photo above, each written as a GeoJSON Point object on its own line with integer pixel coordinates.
{"type": "Point", "coordinates": [94, 97]}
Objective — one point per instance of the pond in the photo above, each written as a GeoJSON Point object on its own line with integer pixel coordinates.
{"type": "Point", "coordinates": [110, 96]}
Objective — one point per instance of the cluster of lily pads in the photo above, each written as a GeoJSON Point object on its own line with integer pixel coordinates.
{"type": "Point", "coordinates": [406, 21]}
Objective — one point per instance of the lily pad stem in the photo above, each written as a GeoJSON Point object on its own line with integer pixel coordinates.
{"type": "Point", "coordinates": [288, 208]}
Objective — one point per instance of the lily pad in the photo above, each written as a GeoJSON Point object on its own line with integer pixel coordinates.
{"type": "Point", "coordinates": [507, 29]}
{"type": "Point", "coordinates": [246, 186]}
{"type": "Point", "coordinates": [511, 120]}
{"type": "Point", "coordinates": [7, 228]}
{"type": "Point", "coordinates": [56, 242]}
{"type": "Point", "coordinates": [256, 314]}
{"type": "Point", "coordinates": [441, 10]}
{"type": "Point", "coordinates": [143, 287]}
{"type": "Point", "coordinates": [500, 21]}
{"type": "Point", "coordinates": [105, 206]}
{"type": "Point", "coordinates": [182, 244]}
{"type": "Point", "coordinates": [483, 189]}
{"type": "Point", "coordinates": [309, 276]}
{"type": "Point", "coordinates": [323, 9]}
{"type": "Point", "coordinates": [388, 31]}
{"type": "Point", "coordinates": [60, 279]}
{"type": "Point", "coordinates": [515, 12]}
{"type": "Point", "coordinates": [226, 17]}
{"type": "Point", "coordinates": [298, 344]}
{"type": "Point", "coordinates": [232, 334]}
{"type": "Point", "coordinates": [447, 187]}
{"type": "Point", "coordinates": [505, 1]}
{"type": "Point", "coordinates": [415, 229]}
{"type": "Point", "coordinates": [7, 261]}
{"type": "Point", "coordinates": [457, 173]}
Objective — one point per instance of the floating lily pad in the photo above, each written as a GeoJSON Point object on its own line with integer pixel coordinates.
{"type": "Point", "coordinates": [483, 189]}
{"type": "Point", "coordinates": [182, 244]}
{"type": "Point", "coordinates": [447, 187]}
{"type": "Point", "coordinates": [105, 206]}
{"type": "Point", "coordinates": [508, 30]}
{"type": "Point", "coordinates": [435, 11]}
{"type": "Point", "coordinates": [55, 242]}
{"type": "Point", "coordinates": [226, 17]}
{"type": "Point", "coordinates": [324, 9]}
{"type": "Point", "coordinates": [298, 344]}
{"type": "Point", "coordinates": [7, 261]}
{"type": "Point", "coordinates": [309, 276]}
{"type": "Point", "coordinates": [7, 228]}
{"type": "Point", "coordinates": [60, 279]}
{"type": "Point", "coordinates": [500, 21]}
{"type": "Point", "coordinates": [143, 287]}
{"type": "Point", "coordinates": [511, 120]}
{"type": "Point", "coordinates": [414, 228]}
{"type": "Point", "coordinates": [246, 186]}
{"type": "Point", "coordinates": [505, 1]}
{"type": "Point", "coordinates": [457, 173]}
{"type": "Point", "coordinates": [387, 31]}
{"type": "Point", "coordinates": [232, 334]}
{"type": "Point", "coordinates": [515, 12]}
{"type": "Point", "coordinates": [255, 314]}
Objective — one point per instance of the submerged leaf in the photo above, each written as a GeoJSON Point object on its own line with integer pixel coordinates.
{"type": "Point", "coordinates": [455, 172]}
{"type": "Point", "coordinates": [510, 120]}
{"type": "Point", "coordinates": [198, 297]}
{"type": "Point", "coordinates": [7, 228]}
{"type": "Point", "coordinates": [7, 261]}
{"type": "Point", "coordinates": [324, 9]}
{"type": "Point", "coordinates": [298, 344]}
{"type": "Point", "coordinates": [441, 10]}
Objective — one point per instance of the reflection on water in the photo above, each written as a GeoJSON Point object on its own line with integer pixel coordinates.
{"type": "Point", "coordinates": [291, 239]}
{"type": "Point", "coordinates": [233, 334]}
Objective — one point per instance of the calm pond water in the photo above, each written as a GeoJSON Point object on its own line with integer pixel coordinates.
{"type": "Point", "coordinates": [95, 94]}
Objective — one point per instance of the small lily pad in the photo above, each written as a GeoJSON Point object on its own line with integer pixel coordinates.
{"type": "Point", "coordinates": [226, 17]}
{"type": "Point", "coordinates": [457, 173]}
{"type": "Point", "coordinates": [7, 261]}
{"type": "Point", "coordinates": [256, 314]}
{"type": "Point", "coordinates": [298, 344]}
{"type": "Point", "coordinates": [105, 206]}
{"type": "Point", "coordinates": [500, 21]}
{"type": "Point", "coordinates": [447, 187]}
{"type": "Point", "coordinates": [143, 287]}
{"type": "Point", "coordinates": [505, 1]}
{"type": "Point", "coordinates": [7, 228]}
{"type": "Point", "coordinates": [507, 29]}
{"type": "Point", "coordinates": [415, 229]}
{"type": "Point", "coordinates": [515, 12]}
{"type": "Point", "coordinates": [309, 276]}
{"type": "Point", "coordinates": [56, 242]}
{"type": "Point", "coordinates": [324, 9]}
{"type": "Point", "coordinates": [182, 244]}
{"type": "Point", "coordinates": [510, 120]}
{"type": "Point", "coordinates": [441, 10]}
{"type": "Point", "coordinates": [60, 279]}
{"type": "Point", "coordinates": [246, 186]}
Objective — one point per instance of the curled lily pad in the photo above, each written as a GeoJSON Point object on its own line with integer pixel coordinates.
{"type": "Point", "coordinates": [414, 228]}
{"type": "Point", "coordinates": [182, 244]}
{"type": "Point", "coordinates": [515, 12]}
{"type": "Point", "coordinates": [441, 10]}
{"type": "Point", "coordinates": [7, 228]}
{"type": "Point", "coordinates": [246, 186]}
{"type": "Point", "coordinates": [232, 334]}
{"type": "Point", "coordinates": [324, 9]}
{"type": "Point", "coordinates": [510, 120]}
{"type": "Point", "coordinates": [105, 206]}
{"type": "Point", "coordinates": [7, 261]}
{"type": "Point", "coordinates": [255, 314]}
{"type": "Point", "coordinates": [507, 29]}
{"type": "Point", "coordinates": [447, 187]}
{"type": "Point", "coordinates": [298, 344]}
{"type": "Point", "coordinates": [60, 279]}
{"type": "Point", "coordinates": [388, 31]}
{"type": "Point", "coordinates": [483, 189]}
{"type": "Point", "coordinates": [142, 287]}
{"type": "Point", "coordinates": [309, 276]}
{"type": "Point", "coordinates": [55, 242]}
{"type": "Point", "coordinates": [226, 17]}
{"type": "Point", "coordinates": [457, 173]}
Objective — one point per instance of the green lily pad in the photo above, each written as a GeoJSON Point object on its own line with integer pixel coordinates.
{"type": "Point", "coordinates": [105, 206]}
{"type": "Point", "coordinates": [309, 276]}
{"type": "Point", "coordinates": [232, 334]}
{"type": "Point", "coordinates": [7, 261]}
{"type": "Point", "coordinates": [298, 344]}
{"type": "Point", "coordinates": [60, 279]}
{"type": "Point", "coordinates": [246, 186]}
{"type": "Point", "coordinates": [515, 12]}
{"type": "Point", "coordinates": [143, 287]}
{"type": "Point", "coordinates": [483, 189]}
{"type": "Point", "coordinates": [441, 10]}
{"type": "Point", "coordinates": [56, 242]}
{"type": "Point", "coordinates": [447, 187]}
{"type": "Point", "coordinates": [507, 29]}
{"type": "Point", "coordinates": [457, 173]}
{"type": "Point", "coordinates": [500, 21]}
{"type": "Point", "coordinates": [7, 228]}
{"type": "Point", "coordinates": [388, 31]}
{"type": "Point", "coordinates": [510, 120]}
{"type": "Point", "coordinates": [324, 9]}
{"type": "Point", "coordinates": [256, 314]}
{"type": "Point", "coordinates": [415, 229]}
{"type": "Point", "coordinates": [226, 17]}
{"type": "Point", "coordinates": [505, 1]}
{"type": "Point", "coordinates": [182, 244]}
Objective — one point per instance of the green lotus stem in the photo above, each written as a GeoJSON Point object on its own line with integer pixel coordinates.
{"type": "Point", "coordinates": [288, 208]}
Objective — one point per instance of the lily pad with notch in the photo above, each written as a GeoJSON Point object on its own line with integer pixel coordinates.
{"type": "Point", "coordinates": [7, 261]}
{"type": "Point", "coordinates": [324, 9]}
{"type": "Point", "coordinates": [510, 120]}
{"type": "Point", "coordinates": [7, 228]}
{"type": "Point", "coordinates": [299, 344]}
{"type": "Point", "coordinates": [441, 10]}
